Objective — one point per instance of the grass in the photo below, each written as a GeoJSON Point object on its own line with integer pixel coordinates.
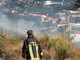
{"type": "Point", "coordinates": [64, 49]}
{"type": "Point", "coordinates": [10, 46]}
{"type": "Point", "coordinates": [58, 48]}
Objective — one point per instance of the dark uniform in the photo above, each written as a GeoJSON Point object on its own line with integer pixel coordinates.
{"type": "Point", "coordinates": [31, 49]}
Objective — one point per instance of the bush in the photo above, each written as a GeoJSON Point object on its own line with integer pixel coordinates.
{"type": "Point", "coordinates": [54, 48]}
{"type": "Point", "coordinates": [9, 47]}
{"type": "Point", "coordinates": [62, 47]}
{"type": "Point", "coordinates": [63, 50]}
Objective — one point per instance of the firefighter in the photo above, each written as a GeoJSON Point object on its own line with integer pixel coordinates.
{"type": "Point", "coordinates": [31, 49]}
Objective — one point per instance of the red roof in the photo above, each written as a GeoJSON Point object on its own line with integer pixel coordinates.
{"type": "Point", "coordinates": [63, 21]}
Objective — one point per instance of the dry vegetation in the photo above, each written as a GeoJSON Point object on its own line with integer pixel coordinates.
{"type": "Point", "coordinates": [54, 48]}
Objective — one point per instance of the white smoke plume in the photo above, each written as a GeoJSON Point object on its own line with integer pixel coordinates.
{"type": "Point", "coordinates": [20, 26]}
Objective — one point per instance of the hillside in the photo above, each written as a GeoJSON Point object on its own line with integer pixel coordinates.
{"type": "Point", "coordinates": [54, 48]}
{"type": "Point", "coordinates": [15, 19]}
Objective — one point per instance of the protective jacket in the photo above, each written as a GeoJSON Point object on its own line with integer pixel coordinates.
{"type": "Point", "coordinates": [31, 49]}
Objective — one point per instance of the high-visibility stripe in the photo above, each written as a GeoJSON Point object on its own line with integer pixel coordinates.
{"type": "Point", "coordinates": [35, 59]}
{"type": "Point", "coordinates": [37, 51]}
{"type": "Point", "coordinates": [31, 52]}
{"type": "Point", "coordinates": [41, 53]}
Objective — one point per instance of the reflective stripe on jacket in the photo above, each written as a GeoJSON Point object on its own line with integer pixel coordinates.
{"type": "Point", "coordinates": [33, 52]}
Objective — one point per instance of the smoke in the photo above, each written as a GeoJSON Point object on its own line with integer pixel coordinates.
{"type": "Point", "coordinates": [4, 22]}
{"type": "Point", "coordinates": [8, 21]}
{"type": "Point", "coordinates": [24, 25]}
{"type": "Point", "coordinates": [19, 26]}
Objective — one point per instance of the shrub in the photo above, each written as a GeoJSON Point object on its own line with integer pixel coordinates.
{"type": "Point", "coordinates": [59, 47]}
{"type": "Point", "coordinates": [63, 50]}
{"type": "Point", "coordinates": [62, 47]}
